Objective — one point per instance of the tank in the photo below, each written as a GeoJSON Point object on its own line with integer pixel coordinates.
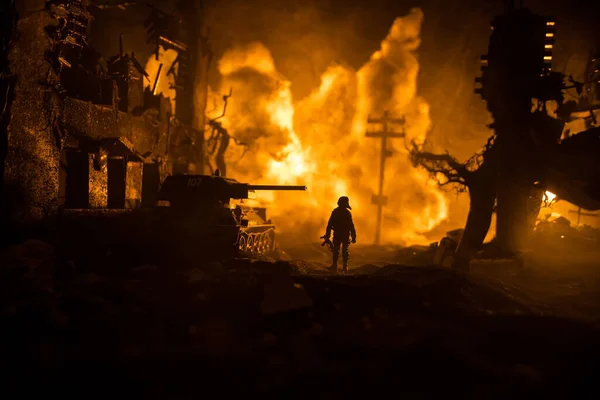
{"type": "Point", "coordinates": [209, 212]}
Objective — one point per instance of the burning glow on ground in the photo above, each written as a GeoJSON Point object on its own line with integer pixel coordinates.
{"type": "Point", "coordinates": [319, 141]}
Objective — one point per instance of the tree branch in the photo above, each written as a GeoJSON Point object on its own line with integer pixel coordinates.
{"type": "Point", "coordinates": [443, 168]}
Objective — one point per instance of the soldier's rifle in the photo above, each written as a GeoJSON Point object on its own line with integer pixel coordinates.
{"type": "Point", "coordinates": [329, 243]}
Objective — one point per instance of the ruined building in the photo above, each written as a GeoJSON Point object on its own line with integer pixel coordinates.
{"type": "Point", "coordinates": [81, 134]}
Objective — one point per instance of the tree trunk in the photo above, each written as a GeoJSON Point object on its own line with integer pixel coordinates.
{"type": "Point", "coordinates": [481, 207]}
{"type": "Point", "coordinates": [513, 216]}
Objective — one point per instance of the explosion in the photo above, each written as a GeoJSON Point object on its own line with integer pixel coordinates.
{"type": "Point", "coordinates": [320, 140]}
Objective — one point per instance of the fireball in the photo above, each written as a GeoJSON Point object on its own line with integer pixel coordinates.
{"type": "Point", "coordinates": [319, 141]}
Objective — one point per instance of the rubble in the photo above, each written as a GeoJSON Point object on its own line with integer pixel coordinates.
{"type": "Point", "coordinates": [90, 308]}
{"type": "Point", "coordinates": [282, 294]}
{"type": "Point", "coordinates": [284, 324]}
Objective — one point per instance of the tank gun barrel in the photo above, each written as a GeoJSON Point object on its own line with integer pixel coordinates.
{"type": "Point", "coordinates": [276, 187]}
{"type": "Point", "coordinates": [191, 191]}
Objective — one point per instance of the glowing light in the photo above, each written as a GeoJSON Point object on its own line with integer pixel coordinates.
{"type": "Point", "coordinates": [548, 46]}
{"type": "Point", "coordinates": [550, 23]}
{"type": "Point", "coordinates": [548, 58]}
{"type": "Point", "coordinates": [549, 34]}
{"type": "Point", "coordinates": [549, 197]}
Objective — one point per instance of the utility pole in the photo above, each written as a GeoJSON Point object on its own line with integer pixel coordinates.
{"type": "Point", "coordinates": [580, 214]}
{"type": "Point", "coordinates": [380, 200]}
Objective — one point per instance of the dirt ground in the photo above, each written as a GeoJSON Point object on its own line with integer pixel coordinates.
{"type": "Point", "coordinates": [102, 325]}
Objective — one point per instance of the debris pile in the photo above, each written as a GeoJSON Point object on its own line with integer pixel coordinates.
{"type": "Point", "coordinates": [275, 328]}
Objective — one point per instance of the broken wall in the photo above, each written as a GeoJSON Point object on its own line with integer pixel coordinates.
{"type": "Point", "coordinates": [32, 160]}
{"type": "Point", "coordinates": [43, 121]}
{"type": "Point", "coordinates": [8, 20]}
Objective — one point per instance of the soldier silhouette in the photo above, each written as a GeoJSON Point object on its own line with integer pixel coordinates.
{"type": "Point", "coordinates": [343, 231]}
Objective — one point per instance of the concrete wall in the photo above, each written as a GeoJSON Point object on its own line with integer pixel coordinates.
{"type": "Point", "coordinates": [32, 161]}
{"type": "Point", "coordinates": [41, 122]}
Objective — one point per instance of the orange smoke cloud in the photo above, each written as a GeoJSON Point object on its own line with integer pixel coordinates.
{"type": "Point", "coordinates": [320, 140]}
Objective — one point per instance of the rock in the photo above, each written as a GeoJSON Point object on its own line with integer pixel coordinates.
{"type": "Point", "coordinates": [380, 314]}
{"type": "Point", "coordinates": [144, 268]}
{"type": "Point", "coordinates": [196, 275]}
{"type": "Point", "coordinates": [217, 336]}
{"type": "Point", "coordinates": [366, 321]}
{"type": "Point", "coordinates": [269, 339]}
{"type": "Point", "coordinates": [8, 310]}
{"type": "Point", "coordinates": [60, 319]}
{"type": "Point", "coordinates": [277, 361]}
{"type": "Point", "coordinates": [303, 351]}
{"type": "Point", "coordinates": [264, 258]}
{"type": "Point", "coordinates": [280, 267]}
{"type": "Point", "coordinates": [529, 372]}
{"type": "Point", "coordinates": [35, 256]}
{"type": "Point", "coordinates": [365, 269]}
{"type": "Point", "coordinates": [35, 249]}
{"type": "Point", "coordinates": [65, 269]}
{"type": "Point", "coordinates": [90, 278]}
{"type": "Point", "coordinates": [281, 294]}
{"type": "Point", "coordinates": [388, 270]}
{"type": "Point", "coordinates": [279, 255]}
{"type": "Point", "coordinates": [134, 350]}
{"type": "Point", "coordinates": [317, 329]}
{"type": "Point", "coordinates": [305, 267]}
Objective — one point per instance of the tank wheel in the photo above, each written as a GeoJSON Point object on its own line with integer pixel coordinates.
{"type": "Point", "coordinates": [263, 241]}
{"type": "Point", "coordinates": [270, 241]}
{"type": "Point", "coordinates": [242, 242]}
{"type": "Point", "coordinates": [250, 243]}
{"type": "Point", "coordinates": [256, 247]}
{"type": "Point", "coordinates": [259, 244]}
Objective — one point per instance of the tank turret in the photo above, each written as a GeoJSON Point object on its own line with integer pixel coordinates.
{"type": "Point", "coordinates": [203, 203]}
{"type": "Point", "coordinates": [198, 190]}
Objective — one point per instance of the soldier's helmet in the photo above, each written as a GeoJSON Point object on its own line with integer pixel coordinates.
{"type": "Point", "coordinates": [344, 201]}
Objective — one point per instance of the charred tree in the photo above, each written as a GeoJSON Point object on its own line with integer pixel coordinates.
{"type": "Point", "coordinates": [517, 70]}
{"type": "Point", "coordinates": [219, 140]}
{"type": "Point", "coordinates": [475, 176]}
{"type": "Point", "coordinates": [516, 74]}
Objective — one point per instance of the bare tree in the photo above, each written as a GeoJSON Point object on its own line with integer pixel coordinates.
{"type": "Point", "coordinates": [446, 170]}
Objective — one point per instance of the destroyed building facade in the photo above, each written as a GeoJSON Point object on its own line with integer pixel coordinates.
{"type": "Point", "coordinates": [84, 134]}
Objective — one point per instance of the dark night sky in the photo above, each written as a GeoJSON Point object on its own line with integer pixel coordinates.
{"type": "Point", "coordinates": [305, 37]}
